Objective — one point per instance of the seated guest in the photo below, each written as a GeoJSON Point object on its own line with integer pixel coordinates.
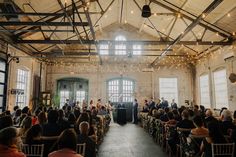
{"type": "Point", "coordinates": [51, 128]}
{"type": "Point", "coordinates": [85, 117]}
{"type": "Point", "coordinates": [176, 115]}
{"type": "Point", "coordinates": [102, 111]}
{"type": "Point", "coordinates": [68, 111]}
{"type": "Point", "coordinates": [227, 122]}
{"type": "Point", "coordinates": [185, 122]}
{"type": "Point", "coordinates": [14, 110]}
{"type": "Point", "coordinates": [164, 117]}
{"type": "Point", "coordinates": [215, 136]}
{"type": "Point", "coordinates": [151, 105]}
{"type": "Point", "coordinates": [209, 117]}
{"type": "Point", "coordinates": [33, 135]}
{"type": "Point", "coordinates": [84, 138]}
{"type": "Point", "coordinates": [16, 117]}
{"type": "Point", "coordinates": [200, 129]}
{"type": "Point", "coordinates": [145, 107]}
{"type": "Point", "coordinates": [66, 145]}
{"type": "Point", "coordinates": [62, 121]}
{"type": "Point", "coordinates": [196, 110]}
{"type": "Point", "coordinates": [222, 109]}
{"type": "Point", "coordinates": [71, 120]}
{"type": "Point", "coordinates": [5, 121]}
{"type": "Point", "coordinates": [171, 119]}
{"type": "Point", "coordinates": [202, 111]}
{"type": "Point", "coordinates": [25, 126]}
{"type": "Point", "coordinates": [8, 143]}
{"type": "Point", "coordinates": [42, 119]}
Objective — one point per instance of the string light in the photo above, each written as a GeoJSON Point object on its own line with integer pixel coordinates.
{"type": "Point", "coordinates": [110, 9]}
{"type": "Point", "coordinates": [203, 15]}
{"type": "Point", "coordinates": [228, 15]}
{"type": "Point", "coordinates": [179, 15]}
{"type": "Point", "coordinates": [131, 11]}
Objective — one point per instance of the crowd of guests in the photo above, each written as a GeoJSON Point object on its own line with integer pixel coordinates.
{"type": "Point", "coordinates": [198, 120]}
{"type": "Point", "coordinates": [69, 126]}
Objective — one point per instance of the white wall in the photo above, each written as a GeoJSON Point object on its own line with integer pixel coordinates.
{"type": "Point", "coordinates": [214, 62]}
{"type": "Point", "coordinates": [146, 83]}
{"type": "Point", "coordinates": [28, 63]}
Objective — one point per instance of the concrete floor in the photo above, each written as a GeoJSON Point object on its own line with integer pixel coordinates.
{"type": "Point", "coordinates": [129, 141]}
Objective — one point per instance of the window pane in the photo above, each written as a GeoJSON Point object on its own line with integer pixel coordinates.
{"type": "Point", "coordinates": [1, 89]}
{"type": "Point", "coordinates": [168, 89]}
{"type": "Point", "coordinates": [120, 49]}
{"type": "Point", "coordinates": [103, 49]}
{"type": "Point", "coordinates": [136, 49]}
{"type": "Point", "coordinates": [127, 91]}
{"type": "Point", "coordinates": [2, 65]}
{"type": "Point", "coordinates": [2, 77]}
{"type": "Point", "coordinates": [221, 93]}
{"type": "Point", "coordinates": [80, 96]}
{"type": "Point", "coordinates": [204, 91]}
{"type": "Point", "coordinates": [1, 101]}
{"type": "Point", "coordinates": [22, 83]}
{"type": "Point", "coordinates": [64, 95]}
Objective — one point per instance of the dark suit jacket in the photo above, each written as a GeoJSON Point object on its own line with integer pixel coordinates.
{"type": "Point", "coordinates": [51, 129]}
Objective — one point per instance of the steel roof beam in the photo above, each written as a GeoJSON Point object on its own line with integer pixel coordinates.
{"type": "Point", "coordinates": [144, 42]}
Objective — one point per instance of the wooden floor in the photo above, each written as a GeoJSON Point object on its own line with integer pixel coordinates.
{"type": "Point", "coordinates": [129, 141]}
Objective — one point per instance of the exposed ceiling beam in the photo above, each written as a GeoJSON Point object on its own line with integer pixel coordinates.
{"type": "Point", "coordinates": [36, 30]}
{"type": "Point", "coordinates": [68, 10]}
{"type": "Point", "coordinates": [91, 29]}
{"type": "Point", "coordinates": [188, 15]}
{"type": "Point", "coordinates": [209, 9]}
{"type": "Point", "coordinates": [41, 14]}
{"type": "Point", "coordinates": [144, 42]}
{"type": "Point", "coordinates": [43, 23]}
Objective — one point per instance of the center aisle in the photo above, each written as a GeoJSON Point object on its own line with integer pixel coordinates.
{"type": "Point", "coordinates": [129, 141]}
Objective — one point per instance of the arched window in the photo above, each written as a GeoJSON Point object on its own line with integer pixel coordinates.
{"type": "Point", "coordinates": [220, 89]}
{"type": "Point", "coordinates": [120, 49]}
{"type": "Point", "coordinates": [204, 91]}
{"type": "Point", "coordinates": [120, 90]}
{"type": "Point", "coordinates": [22, 88]}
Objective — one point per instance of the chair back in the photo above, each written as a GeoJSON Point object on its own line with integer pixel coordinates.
{"type": "Point", "coordinates": [80, 149]}
{"type": "Point", "coordinates": [33, 150]}
{"type": "Point", "coordinates": [226, 149]}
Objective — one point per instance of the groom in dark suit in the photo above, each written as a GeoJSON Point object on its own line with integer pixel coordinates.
{"type": "Point", "coordinates": [135, 111]}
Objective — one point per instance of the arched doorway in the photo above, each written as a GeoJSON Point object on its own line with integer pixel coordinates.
{"type": "Point", "coordinates": [72, 90]}
{"type": "Point", "coordinates": [121, 91]}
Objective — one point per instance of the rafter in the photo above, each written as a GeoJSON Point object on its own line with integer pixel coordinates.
{"type": "Point", "coordinates": [209, 9]}
{"type": "Point", "coordinates": [190, 16]}
{"type": "Point", "coordinates": [142, 42]}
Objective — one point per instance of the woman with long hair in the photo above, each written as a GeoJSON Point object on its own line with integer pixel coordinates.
{"type": "Point", "coordinates": [215, 136]}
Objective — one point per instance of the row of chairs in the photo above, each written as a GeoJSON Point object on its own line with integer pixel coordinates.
{"type": "Point", "coordinates": [38, 150]}
{"type": "Point", "coordinates": [49, 145]}
{"type": "Point", "coordinates": [186, 145]}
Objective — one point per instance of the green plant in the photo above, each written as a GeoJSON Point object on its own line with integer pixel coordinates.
{"type": "Point", "coordinates": [56, 101]}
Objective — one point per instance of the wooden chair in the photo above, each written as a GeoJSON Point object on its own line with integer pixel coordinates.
{"type": "Point", "coordinates": [226, 149]}
{"type": "Point", "coordinates": [80, 149]}
{"type": "Point", "coordinates": [33, 150]}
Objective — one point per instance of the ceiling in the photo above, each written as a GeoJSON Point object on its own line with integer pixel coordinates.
{"type": "Point", "coordinates": [72, 28]}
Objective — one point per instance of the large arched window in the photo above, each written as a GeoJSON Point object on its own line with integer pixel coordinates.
{"type": "Point", "coordinates": [220, 88]}
{"type": "Point", "coordinates": [120, 49]}
{"type": "Point", "coordinates": [120, 90]}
